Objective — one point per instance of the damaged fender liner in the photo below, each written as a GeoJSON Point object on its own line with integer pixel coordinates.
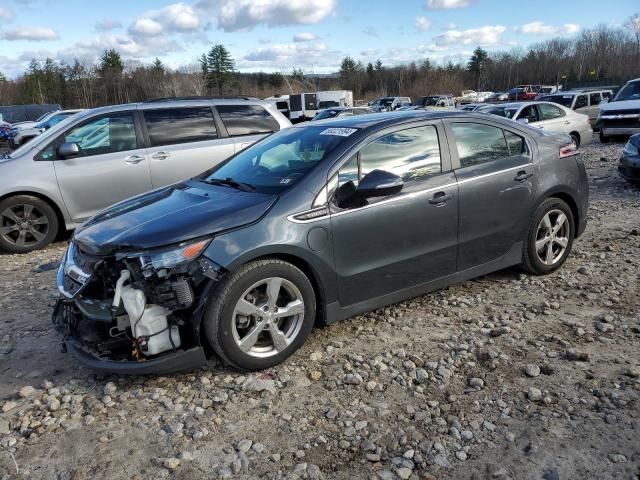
{"type": "Point", "coordinates": [167, 363]}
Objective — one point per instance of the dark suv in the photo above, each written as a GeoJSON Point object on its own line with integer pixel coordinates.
{"type": "Point", "coordinates": [314, 224]}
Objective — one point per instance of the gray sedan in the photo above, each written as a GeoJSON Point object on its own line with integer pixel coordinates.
{"type": "Point", "coordinates": [315, 223]}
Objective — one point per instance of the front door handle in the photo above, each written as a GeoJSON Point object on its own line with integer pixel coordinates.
{"type": "Point", "coordinates": [160, 155]}
{"type": "Point", "coordinates": [133, 159]}
{"type": "Point", "coordinates": [522, 176]}
{"type": "Point", "coordinates": [440, 198]}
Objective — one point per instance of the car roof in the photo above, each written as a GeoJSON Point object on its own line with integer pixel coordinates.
{"type": "Point", "coordinates": [377, 121]}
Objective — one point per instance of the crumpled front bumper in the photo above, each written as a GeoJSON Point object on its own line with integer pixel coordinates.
{"type": "Point", "coordinates": [166, 363]}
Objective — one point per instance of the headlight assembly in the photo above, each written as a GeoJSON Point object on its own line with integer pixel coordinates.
{"type": "Point", "coordinates": [171, 257]}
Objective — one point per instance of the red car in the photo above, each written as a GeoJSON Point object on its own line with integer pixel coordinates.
{"type": "Point", "coordinates": [524, 92]}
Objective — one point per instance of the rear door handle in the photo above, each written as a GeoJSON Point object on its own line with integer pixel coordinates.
{"type": "Point", "coordinates": [160, 155]}
{"type": "Point", "coordinates": [133, 159]}
{"type": "Point", "coordinates": [440, 198]}
{"type": "Point", "coordinates": [522, 176]}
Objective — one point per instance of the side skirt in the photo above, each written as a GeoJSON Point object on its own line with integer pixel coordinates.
{"type": "Point", "coordinates": [335, 312]}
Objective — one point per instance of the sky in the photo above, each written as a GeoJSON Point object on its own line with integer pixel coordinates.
{"type": "Point", "coordinates": [278, 35]}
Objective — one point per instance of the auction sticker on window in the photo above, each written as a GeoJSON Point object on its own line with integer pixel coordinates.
{"type": "Point", "coordinates": [339, 132]}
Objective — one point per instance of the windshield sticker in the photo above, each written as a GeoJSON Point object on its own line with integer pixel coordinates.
{"type": "Point", "coordinates": [339, 132]}
{"type": "Point", "coordinates": [285, 180]}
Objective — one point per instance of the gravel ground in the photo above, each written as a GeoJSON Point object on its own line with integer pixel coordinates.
{"type": "Point", "coordinates": [507, 376]}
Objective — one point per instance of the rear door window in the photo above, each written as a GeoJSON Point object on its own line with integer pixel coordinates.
{"type": "Point", "coordinates": [549, 112]}
{"type": "Point", "coordinates": [247, 120]}
{"type": "Point", "coordinates": [170, 126]}
{"type": "Point", "coordinates": [581, 102]}
{"type": "Point", "coordinates": [478, 143]}
{"type": "Point", "coordinates": [595, 98]}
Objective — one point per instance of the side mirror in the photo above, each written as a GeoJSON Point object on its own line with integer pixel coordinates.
{"type": "Point", "coordinates": [379, 183]}
{"type": "Point", "coordinates": [68, 149]}
{"type": "Point", "coordinates": [523, 120]}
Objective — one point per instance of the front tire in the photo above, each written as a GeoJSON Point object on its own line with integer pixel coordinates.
{"type": "Point", "coordinates": [603, 138]}
{"type": "Point", "coordinates": [549, 238]}
{"type": "Point", "coordinates": [27, 223]}
{"type": "Point", "coordinates": [575, 139]}
{"type": "Point", "coordinates": [260, 315]}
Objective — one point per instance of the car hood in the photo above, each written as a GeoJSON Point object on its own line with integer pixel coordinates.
{"type": "Point", "coordinates": [621, 105]}
{"type": "Point", "coordinates": [170, 215]}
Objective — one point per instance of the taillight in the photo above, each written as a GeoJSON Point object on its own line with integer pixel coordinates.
{"type": "Point", "coordinates": [568, 150]}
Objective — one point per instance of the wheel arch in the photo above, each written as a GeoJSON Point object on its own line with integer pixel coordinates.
{"type": "Point", "coordinates": [310, 272]}
{"type": "Point", "coordinates": [573, 205]}
{"type": "Point", "coordinates": [62, 221]}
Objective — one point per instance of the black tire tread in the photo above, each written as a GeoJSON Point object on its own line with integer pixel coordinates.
{"type": "Point", "coordinates": [54, 225]}
{"type": "Point", "coordinates": [547, 204]}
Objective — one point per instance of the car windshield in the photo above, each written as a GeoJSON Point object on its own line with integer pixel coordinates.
{"type": "Point", "coordinates": [564, 100]}
{"type": "Point", "coordinates": [507, 112]}
{"type": "Point", "coordinates": [280, 160]}
{"type": "Point", "coordinates": [630, 91]}
{"type": "Point", "coordinates": [326, 114]}
{"type": "Point", "coordinates": [514, 91]}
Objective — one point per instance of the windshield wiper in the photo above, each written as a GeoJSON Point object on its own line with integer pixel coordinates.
{"type": "Point", "coordinates": [230, 182]}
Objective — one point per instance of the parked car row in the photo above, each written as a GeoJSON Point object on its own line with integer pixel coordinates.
{"type": "Point", "coordinates": [21, 133]}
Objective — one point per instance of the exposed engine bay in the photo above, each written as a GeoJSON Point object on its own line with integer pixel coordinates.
{"type": "Point", "coordinates": [132, 308]}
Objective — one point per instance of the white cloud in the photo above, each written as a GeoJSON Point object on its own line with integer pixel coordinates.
{"type": "Point", "coordinates": [244, 15]}
{"type": "Point", "coordinates": [107, 25]}
{"type": "Point", "coordinates": [146, 26]}
{"type": "Point", "coordinates": [489, 35]}
{"type": "Point", "coordinates": [278, 56]}
{"type": "Point", "coordinates": [34, 34]}
{"type": "Point", "coordinates": [447, 4]}
{"type": "Point", "coordinates": [129, 47]}
{"type": "Point", "coordinates": [423, 24]}
{"type": "Point", "coordinates": [177, 17]}
{"type": "Point", "coordinates": [5, 14]}
{"type": "Point", "coordinates": [541, 29]}
{"type": "Point", "coordinates": [370, 52]}
{"type": "Point", "coordinates": [304, 37]}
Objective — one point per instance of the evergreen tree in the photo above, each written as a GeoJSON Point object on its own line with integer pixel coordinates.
{"type": "Point", "coordinates": [477, 66]}
{"type": "Point", "coordinates": [219, 68]}
{"type": "Point", "coordinates": [2, 78]}
{"type": "Point", "coordinates": [158, 68]}
{"type": "Point", "coordinates": [276, 80]}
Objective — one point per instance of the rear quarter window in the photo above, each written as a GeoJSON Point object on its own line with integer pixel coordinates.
{"type": "Point", "coordinates": [247, 120]}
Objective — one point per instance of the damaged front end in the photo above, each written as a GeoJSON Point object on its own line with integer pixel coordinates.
{"type": "Point", "coordinates": [135, 312]}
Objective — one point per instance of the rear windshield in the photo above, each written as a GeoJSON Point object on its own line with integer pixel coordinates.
{"type": "Point", "coordinates": [513, 91]}
{"type": "Point", "coordinates": [564, 100]}
{"type": "Point", "coordinates": [280, 160]}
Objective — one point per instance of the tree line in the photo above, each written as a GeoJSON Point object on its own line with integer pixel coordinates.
{"type": "Point", "coordinates": [603, 54]}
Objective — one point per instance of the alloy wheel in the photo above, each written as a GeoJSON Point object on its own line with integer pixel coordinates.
{"type": "Point", "coordinates": [268, 317]}
{"type": "Point", "coordinates": [23, 225]}
{"type": "Point", "coordinates": [552, 237]}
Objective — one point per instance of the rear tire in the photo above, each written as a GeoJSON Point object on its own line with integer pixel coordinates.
{"type": "Point", "coordinates": [27, 223]}
{"type": "Point", "coordinates": [247, 327]}
{"type": "Point", "coordinates": [549, 237]}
